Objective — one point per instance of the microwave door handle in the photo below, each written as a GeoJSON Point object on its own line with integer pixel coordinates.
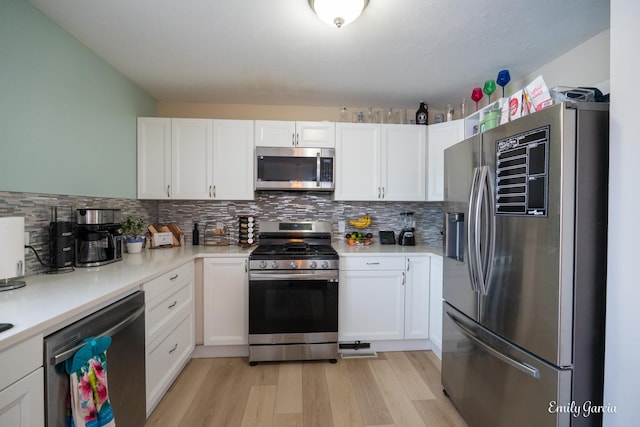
{"type": "Point", "coordinates": [318, 169]}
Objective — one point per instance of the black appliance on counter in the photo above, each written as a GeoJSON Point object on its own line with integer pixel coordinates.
{"type": "Point", "coordinates": [98, 237]}
{"type": "Point", "coordinates": [293, 293]}
{"type": "Point", "coordinates": [61, 243]}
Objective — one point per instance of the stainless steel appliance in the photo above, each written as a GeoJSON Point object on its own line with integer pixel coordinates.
{"type": "Point", "coordinates": [525, 270]}
{"type": "Point", "coordinates": [308, 169]}
{"type": "Point", "coordinates": [123, 321]}
{"type": "Point", "coordinates": [98, 237]}
{"type": "Point", "coordinates": [293, 293]}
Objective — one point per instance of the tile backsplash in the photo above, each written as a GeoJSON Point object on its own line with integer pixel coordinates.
{"type": "Point", "coordinates": [267, 206]}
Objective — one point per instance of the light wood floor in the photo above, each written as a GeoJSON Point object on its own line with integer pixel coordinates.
{"type": "Point", "coordinates": [394, 389]}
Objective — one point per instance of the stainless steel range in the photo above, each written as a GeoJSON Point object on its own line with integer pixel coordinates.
{"type": "Point", "coordinates": [293, 293]}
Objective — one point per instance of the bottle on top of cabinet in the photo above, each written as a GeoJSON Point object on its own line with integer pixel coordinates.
{"type": "Point", "coordinates": [422, 115]}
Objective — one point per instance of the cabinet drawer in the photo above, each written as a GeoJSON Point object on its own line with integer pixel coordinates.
{"type": "Point", "coordinates": [372, 263]}
{"type": "Point", "coordinates": [19, 360]}
{"type": "Point", "coordinates": [163, 311]}
{"type": "Point", "coordinates": [176, 277]}
{"type": "Point", "coordinates": [165, 359]}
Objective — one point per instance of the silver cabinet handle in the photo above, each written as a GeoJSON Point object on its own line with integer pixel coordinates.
{"type": "Point", "coordinates": [379, 192]}
{"type": "Point", "coordinates": [174, 348]}
{"type": "Point", "coordinates": [214, 191]}
{"type": "Point", "coordinates": [174, 277]}
{"type": "Point", "coordinates": [246, 265]}
{"type": "Point", "coordinates": [172, 305]}
{"type": "Point", "coordinates": [383, 192]}
{"type": "Point", "coordinates": [404, 278]}
{"type": "Point", "coordinates": [168, 193]}
{"type": "Point", "coordinates": [293, 139]}
{"type": "Point", "coordinates": [408, 263]}
{"type": "Point", "coordinates": [373, 263]}
{"type": "Point", "coordinates": [209, 191]}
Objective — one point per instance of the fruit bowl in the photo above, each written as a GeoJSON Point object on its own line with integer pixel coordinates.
{"type": "Point", "coordinates": [358, 239]}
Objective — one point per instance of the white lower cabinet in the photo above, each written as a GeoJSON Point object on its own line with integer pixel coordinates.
{"type": "Point", "coordinates": [22, 385]}
{"type": "Point", "coordinates": [435, 309]}
{"type": "Point", "coordinates": [170, 329]}
{"type": "Point", "coordinates": [226, 301]}
{"type": "Point", "coordinates": [384, 298]}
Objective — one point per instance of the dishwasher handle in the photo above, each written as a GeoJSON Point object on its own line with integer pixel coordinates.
{"type": "Point", "coordinates": [59, 358]}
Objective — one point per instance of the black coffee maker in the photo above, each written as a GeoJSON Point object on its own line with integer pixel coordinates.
{"type": "Point", "coordinates": [98, 237]}
{"type": "Point", "coordinates": [407, 236]}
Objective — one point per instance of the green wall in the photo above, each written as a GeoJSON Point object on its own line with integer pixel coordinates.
{"type": "Point", "coordinates": [67, 118]}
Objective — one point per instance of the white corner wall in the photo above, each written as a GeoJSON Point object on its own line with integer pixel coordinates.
{"type": "Point", "coordinates": [622, 376]}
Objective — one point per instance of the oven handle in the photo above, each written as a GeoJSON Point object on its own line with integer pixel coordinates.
{"type": "Point", "coordinates": [292, 276]}
{"type": "Point", "coordinates": [58, 358]}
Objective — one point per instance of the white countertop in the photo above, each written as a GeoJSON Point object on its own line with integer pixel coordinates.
{"type": "Point", "coordinates": [52, 301]}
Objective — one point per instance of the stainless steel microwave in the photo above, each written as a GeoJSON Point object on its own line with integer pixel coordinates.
{"type": "Point", "coordinates": [304, 169]}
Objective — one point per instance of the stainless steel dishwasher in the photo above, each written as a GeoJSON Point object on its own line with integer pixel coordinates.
{"type": "Point", "coordinates": [123, 321]}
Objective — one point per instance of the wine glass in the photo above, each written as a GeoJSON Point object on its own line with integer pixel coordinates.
{"type": "Point", "coordinates": [489, 88]}
{"type": "Point", "coordinates": [503, 78]}
{"type": "Point", "coordinates": [476, 95]}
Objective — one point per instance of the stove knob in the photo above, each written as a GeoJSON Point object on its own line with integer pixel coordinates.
{"type": "Point", "coordinates": [275, 264]}
{"type": "Point", "coordinates": [313, 264]}
{"type": "Point", "coordinates": [263, 264]}
{"type": "Point", "coordinates": [325, 264]}
{"type": "Point", "coordinates": [294, 264]}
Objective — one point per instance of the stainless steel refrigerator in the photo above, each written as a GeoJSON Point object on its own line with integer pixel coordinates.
{"type": "Point", "coordinates": [525, 270]}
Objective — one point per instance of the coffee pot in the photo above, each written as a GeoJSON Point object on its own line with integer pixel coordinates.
{"type": "Point", "coordinates": [407, 236]}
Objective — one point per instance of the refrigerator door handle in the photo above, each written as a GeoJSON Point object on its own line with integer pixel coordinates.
{"type": "Point", "coordinates": [521, 366]}
{"type": "Point", "coordinates": [485, 230]}
{"type": "Point", "coordinates": [471, 230]}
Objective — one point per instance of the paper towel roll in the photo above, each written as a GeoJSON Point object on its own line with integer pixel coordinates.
{"type": "Point", "coordinates": [11, 247]}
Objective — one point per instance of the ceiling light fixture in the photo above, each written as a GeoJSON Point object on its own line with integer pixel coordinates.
{"type": "Point", "coordinates": [338, 13]}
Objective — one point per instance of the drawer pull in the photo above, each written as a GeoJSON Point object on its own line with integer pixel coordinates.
{"type": "Point", "coordinates": [174, 277]}
{"type": "Point", "coordinates": [373, 263]}
{"type": "Point", "coordinates": [173, 305]}
{"type": "Point", "coordinates": [174, 348]}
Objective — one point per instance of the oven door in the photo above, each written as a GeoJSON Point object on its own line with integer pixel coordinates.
{"type": "Point", "coordinates": [293, 310]}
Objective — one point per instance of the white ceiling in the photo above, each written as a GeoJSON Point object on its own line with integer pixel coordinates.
{"type": "Point", "coordinates": [399, 52]}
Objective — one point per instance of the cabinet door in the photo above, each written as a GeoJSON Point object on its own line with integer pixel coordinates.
{"type": "Point", "coordinates": [403, 163]}
{"type": "Point", "coordinates": [275, 133]}
{"type": "Point", "coordinates": [233, 159]}
{"type": "Point", "coordinates": [435, 303]}
{"type": "Point", "coordinates": [440, 137]}
{"type": "Point", "coordinates": [357, 161]}
{"type": "Point", "coordinates": [192, 160]}
{"type": "Point", "coordinates": [226, 301]}
{"type": "Point", "coordinates": [21, 404]}
{"type": "Point", "coordinates": [371, 305]}
{"type": "Point", "coordinates": [154, 158]}
{"type": "Point", "coordinates": [316, 134]}
{"type": "Point", "coordinates": [416, 302]}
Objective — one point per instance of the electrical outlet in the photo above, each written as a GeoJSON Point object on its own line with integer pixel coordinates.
{"type": "Point", "coordinates": [26, 242]}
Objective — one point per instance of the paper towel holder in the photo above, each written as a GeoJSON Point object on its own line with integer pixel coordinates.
{"type": "Point", "coordinates": [11, 253]}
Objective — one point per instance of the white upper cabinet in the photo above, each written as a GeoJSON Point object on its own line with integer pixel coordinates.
{"type": "Point", "coordinates": [195, 159]}
{"type": "Point", "coordinates": [380, 162]}
{"type": "Point", "coordinates": [233, 160]}
{"type": "Point", "coordinates": [192, 161]}
{"type": "Point", "coordinates": [440, 137]}
{"type": "Point", "coordinates": [357, 161]}
{"type": "Point", "coordinates": [154, 158]}
{"type": "Point", "coordinates": [276, 133]}
{"type": "Point", "coordinates": [403, 163]}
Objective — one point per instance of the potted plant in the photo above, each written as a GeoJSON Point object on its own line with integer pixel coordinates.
{"type": "Point", "coordinates": [133, 231]}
